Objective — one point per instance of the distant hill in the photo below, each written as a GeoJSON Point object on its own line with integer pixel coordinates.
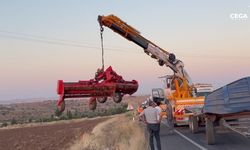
{"type": "Point", "coordinates": [27, 100]}
{"type": "Point", "coordinates": [35, 109]}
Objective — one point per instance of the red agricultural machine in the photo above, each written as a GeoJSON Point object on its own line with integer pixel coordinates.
{"type": "Point", "coordinates": [105, 84]}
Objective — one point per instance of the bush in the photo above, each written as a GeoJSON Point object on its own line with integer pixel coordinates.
{"type": "Point", "coordinates": [30, 120]}
{"type": "Point", "coordinates": [69, 114]}
{"type": "Point", "coordinates": [108, 112]}
{"type": "Point", "coordinates": [13, 121]}
{"type": "Point", "coordinates": [57, 112]}
{"type": "Point", "coordinates": [5, 124]}
{"type": "Point", "coordinates": [63, 118]}
{"type": "Point", "coordinates": [76, 114]}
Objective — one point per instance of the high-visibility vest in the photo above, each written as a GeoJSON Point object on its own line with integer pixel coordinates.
{"type": "Point", "coordinates": [139, 109]}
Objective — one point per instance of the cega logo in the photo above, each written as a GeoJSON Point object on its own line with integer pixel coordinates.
{"type": "Point", "coordinates": [238, 16]}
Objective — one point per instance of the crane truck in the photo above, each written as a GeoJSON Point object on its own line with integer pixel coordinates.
{"type": "Point", "coordinates": [183, 91]}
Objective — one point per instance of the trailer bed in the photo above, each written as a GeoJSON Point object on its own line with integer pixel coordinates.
{"type": "Point", "coordinates": [228, 106]}
{"type": "Point", "coordinates": [231, 98]}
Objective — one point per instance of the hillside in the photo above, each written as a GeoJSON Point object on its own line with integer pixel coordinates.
{"type": "Point", "coordinates": [44, 110]}
{"type": "Point", "coordinates": [69, 134]}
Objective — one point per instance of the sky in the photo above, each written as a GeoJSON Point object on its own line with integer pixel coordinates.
{"type": "Point", "coordinates": [44, 41]}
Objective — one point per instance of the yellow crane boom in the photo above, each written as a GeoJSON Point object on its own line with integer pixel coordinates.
{"type": "Point", "coordinates": [180, 80]}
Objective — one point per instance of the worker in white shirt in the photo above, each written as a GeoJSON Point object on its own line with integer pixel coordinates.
{"type": "Point", "coordinates": [150, 116]}
{"type": "Point", "coordinates": [158, 103]}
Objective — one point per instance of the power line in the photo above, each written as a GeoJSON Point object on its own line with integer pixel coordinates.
{"type": "Point", "coordinates": [49, 38]}
{"type": "Point", "coordinates": [38, 38]}
{"type": "Point", "coordinates": [63, 42]}
{"type": "Point", "coordinates": [34, 38]}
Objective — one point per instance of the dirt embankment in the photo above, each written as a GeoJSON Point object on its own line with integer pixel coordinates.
{"type": "Point", "coordinates": [55, 136]}
{"type": "Point", "coordinates": [119, 133]}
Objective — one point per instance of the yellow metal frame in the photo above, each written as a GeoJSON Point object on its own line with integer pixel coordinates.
{"type": "Point", "coordinates": [182, 92]}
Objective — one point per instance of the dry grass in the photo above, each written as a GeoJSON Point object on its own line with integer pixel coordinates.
{"type": "Point", "coordinates": [118, 133]}
{"type": "Point", "coordinates": [37, 124]}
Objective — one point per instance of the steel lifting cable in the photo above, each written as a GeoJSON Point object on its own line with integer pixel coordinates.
{"type": "Point", "coordinates": [101, 33]}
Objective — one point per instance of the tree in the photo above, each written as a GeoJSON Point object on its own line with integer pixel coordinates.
{"type": "Point", "coordinates": [13, 121]}
{"type": "Point", "coordinates": [76, 113]}
{"type": "Point", "coordinates": [69, 114]}
{"type": "Point", "coordinates": [5, 124]}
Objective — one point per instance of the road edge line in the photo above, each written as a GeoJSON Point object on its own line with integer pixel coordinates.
{"type": "Point", "coordinates": [191, 141]}
{"type": "Point", "coordinates": [188, 139]}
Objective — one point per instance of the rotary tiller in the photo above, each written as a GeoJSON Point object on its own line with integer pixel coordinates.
{"type": "Point", "coordinates": [105, 84]}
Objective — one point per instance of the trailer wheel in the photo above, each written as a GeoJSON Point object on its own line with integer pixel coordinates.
{"type": "Point", "coordinates": [92, 103]}
{"type": "Point", "coordinates": [117, 97]}
{"type": "Point", "coordinates": [102, 99]}
{"type": "Point", "coordinates": [193, 124]}
{"type": "Point", "coordinates": [62, 107]}
{"type": "Point", "coordinates": [210, 131]}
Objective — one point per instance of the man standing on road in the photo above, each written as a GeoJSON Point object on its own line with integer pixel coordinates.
{"type": "Point", "coordinates": [150, 116]}
{"type": "Point", "coordinates": [158, 107]}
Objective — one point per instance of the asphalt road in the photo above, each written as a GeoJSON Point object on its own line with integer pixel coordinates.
{"type": "Point", "coordinates": [183, 139]}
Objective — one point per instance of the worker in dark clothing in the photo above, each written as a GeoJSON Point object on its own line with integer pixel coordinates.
{"type": "Point", "coordinates": [150, 116]}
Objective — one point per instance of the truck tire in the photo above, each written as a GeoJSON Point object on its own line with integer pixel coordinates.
{"type": "Point", "coordinates": [92, 103]}
{"type": "Point", "coordinates": [102, 99]}
{"type": "Point", "coordinates": [117, 97]}
{"type": "Point", "coordinates": [193, 124]}
{"type": "Point", "coordinates": [62, 107]}
{"type": "Point", "coordinates": [210, 132]}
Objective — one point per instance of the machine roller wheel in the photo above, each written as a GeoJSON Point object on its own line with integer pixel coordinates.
{"type": "Point", "coordinates": [117, 97]}
{"type": "Point", "coordinates": [102, 99]}
{"type": "Point", "coordinates": [92, 103]}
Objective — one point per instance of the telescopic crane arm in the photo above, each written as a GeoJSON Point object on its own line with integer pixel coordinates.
{"type": "Point", "coordinates": [163, 57]}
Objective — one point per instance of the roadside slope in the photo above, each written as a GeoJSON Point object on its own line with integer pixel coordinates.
{"type": "Point", "coordinates": [118, 133]}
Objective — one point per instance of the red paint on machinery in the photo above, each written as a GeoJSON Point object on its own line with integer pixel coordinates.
{"type": "Point", "coordinates": [105, 84]}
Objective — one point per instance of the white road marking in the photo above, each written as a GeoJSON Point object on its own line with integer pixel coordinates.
{"type": "Point", "coordinates": [188, 139]}
{"type": "Point", "coordinates": [191, 141]}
